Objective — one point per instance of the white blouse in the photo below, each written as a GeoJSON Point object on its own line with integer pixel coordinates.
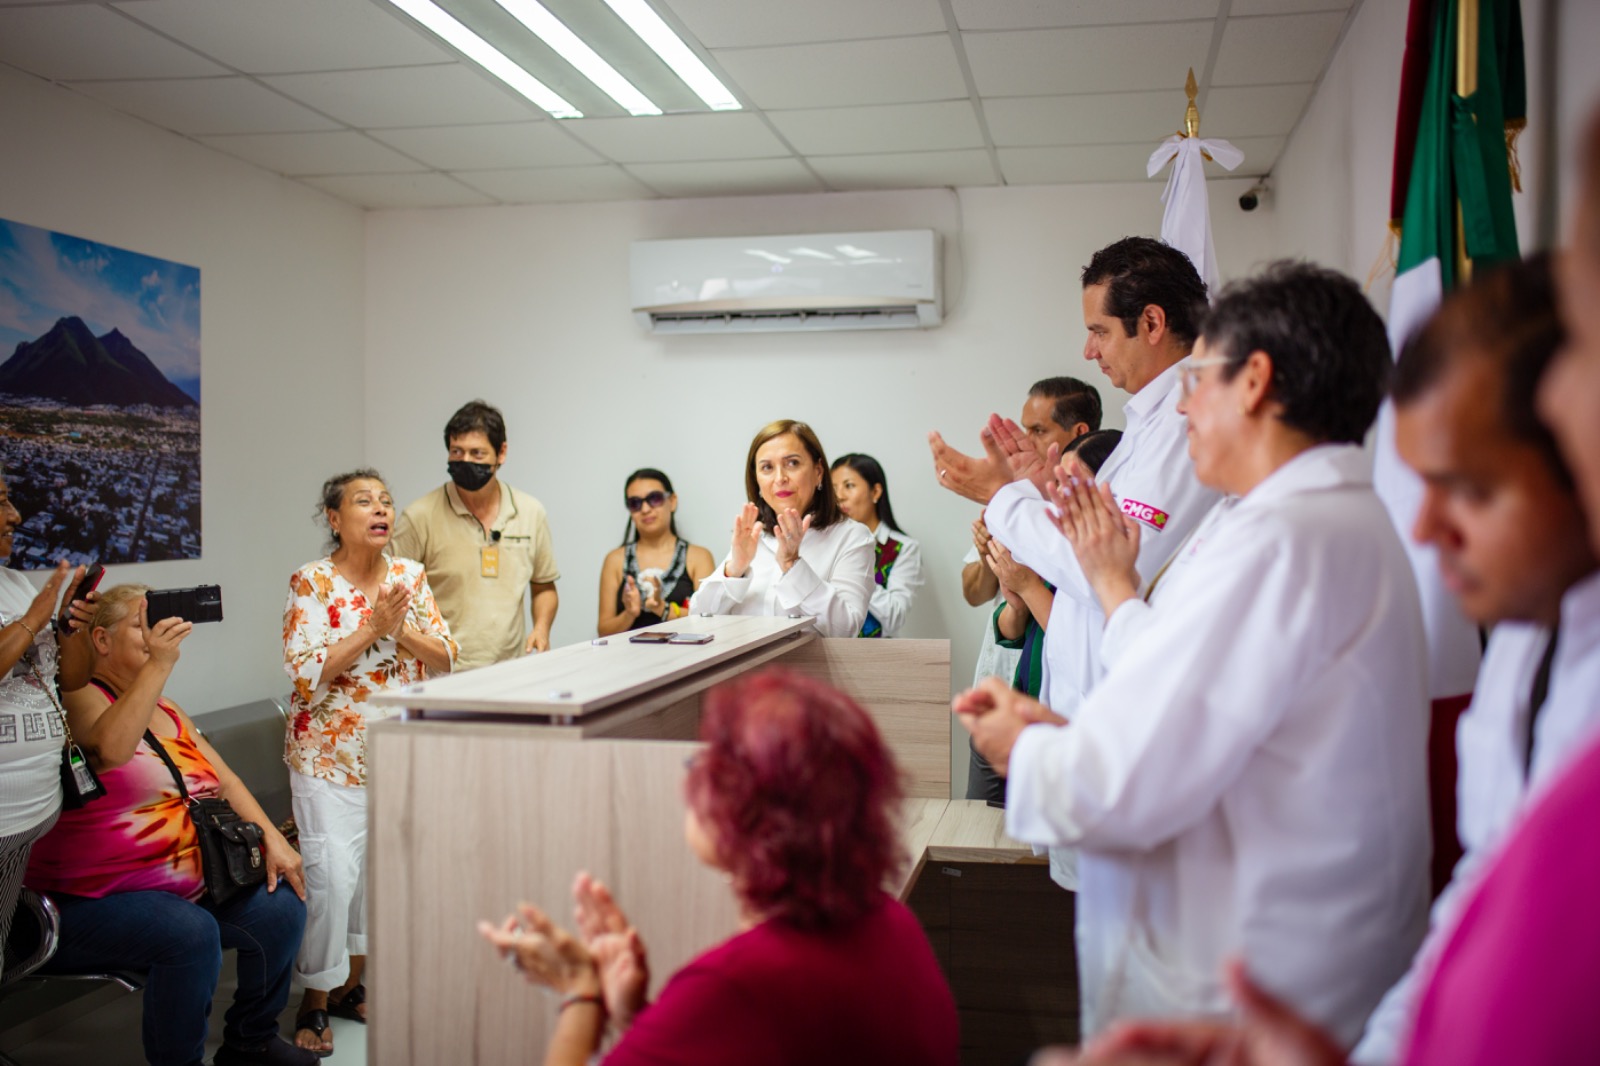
{"type": "Point", "coordinates": [830, 582]}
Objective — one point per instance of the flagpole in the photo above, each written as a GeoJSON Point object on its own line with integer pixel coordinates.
{"type": "Point", "coordinates": [1466, 85]}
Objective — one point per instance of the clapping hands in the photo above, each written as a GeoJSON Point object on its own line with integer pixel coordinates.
{"type": "Point", "coordinates": [389, 610]}
{"type": "Point", "coordinates": [617, 949]}
{"type": "Point", "coordinates": [747, 530]}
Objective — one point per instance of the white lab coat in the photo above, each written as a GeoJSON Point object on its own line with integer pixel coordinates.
{"type": "Point", "coordinates": [1491, 785]}
{"type": "Point", "coordinates": [1250, 776]}
{"type": "Point", "coordinates": [891, 602]}
{"type": "Point", "coordinates": [1150, 466]}
{"type": "Point", "coordinates": [831, 581]}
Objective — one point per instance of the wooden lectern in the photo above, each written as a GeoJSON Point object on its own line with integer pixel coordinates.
{"type": "Point", "coordinates": [498, 785]}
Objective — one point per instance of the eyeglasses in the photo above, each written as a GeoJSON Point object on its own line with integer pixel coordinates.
{"type": "Point", "coordinates": [1189, 377]}
{"type": "Point", "coordinates": [654, 499]}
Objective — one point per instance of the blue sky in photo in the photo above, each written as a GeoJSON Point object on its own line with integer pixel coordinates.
{"type": "Point", "coordinates": [45, 276]}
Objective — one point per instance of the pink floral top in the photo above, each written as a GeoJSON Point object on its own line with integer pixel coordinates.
{"type": "Point", "coordinates": [327, 735]}
{"type": "Point", "coordinates": [139, 836]}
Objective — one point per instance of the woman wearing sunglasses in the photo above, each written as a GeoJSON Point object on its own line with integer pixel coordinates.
{"type": "Point", "coordinates": [650, 578]}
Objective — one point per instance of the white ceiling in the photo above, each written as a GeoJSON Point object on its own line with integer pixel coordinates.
{"type": "Point", "coordinates": [351, 97]}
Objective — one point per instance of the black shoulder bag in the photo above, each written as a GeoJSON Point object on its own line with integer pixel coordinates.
{"type": "Point", "coordinates": [232, 857]}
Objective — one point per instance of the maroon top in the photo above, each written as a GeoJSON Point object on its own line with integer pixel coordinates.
{"type": "Point", "coordinates": [870, 993]}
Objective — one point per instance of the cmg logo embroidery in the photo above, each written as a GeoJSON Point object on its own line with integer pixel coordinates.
{"type": "Point", "coordinates": [1143, 512]}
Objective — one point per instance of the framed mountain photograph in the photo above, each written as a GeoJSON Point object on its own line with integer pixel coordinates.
{"type": "Point", "coordinates": [99, 400]}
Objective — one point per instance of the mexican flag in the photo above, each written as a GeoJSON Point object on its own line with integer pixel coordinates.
{"type": "Point", "coordinates": [1462, 99]}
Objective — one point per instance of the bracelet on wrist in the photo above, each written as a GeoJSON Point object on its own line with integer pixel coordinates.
{"type": "Point", "coordinates": [31, 631]}
{"type": "Point", "coordinates": [597, 1000]}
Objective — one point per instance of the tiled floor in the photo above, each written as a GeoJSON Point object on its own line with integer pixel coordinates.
{"type": "Point", "coordinates": [109, 1035]}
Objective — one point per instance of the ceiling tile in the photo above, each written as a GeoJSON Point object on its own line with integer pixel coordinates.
{"type": "Point", "coordinates": [1042, 14]}
{"type": "Point", "coordinates": [443, 95]}
{"type": "Point", "coordinates": [501, 146]}
{"type": "Point", "coordinates": [1276, 49]}
{"type": "Point", "coordinates": [892, 71]}
{"type": "Point", "coordinates": [66, 43]}
{"type": "Point", "coordinates": [1041, 62]}
{"type": "Point", "coordinates": [1260, 112]}
{"type": "Point", "coordinates": [676, 138]}
{"type": "Point", "coordinates": [1092, 118]}
{"type": "Point", "coordinates": [729, 178]}
{"type": "Point", "coordinates": [884, 128]}
{"type": "Point", "coordinates": [207, 105]}
{"type": "Point", "coordinates": [289, 36]}
{"type": "Point", "coordinates": [1067, 165]}
{"type": "Point", "coordinates": [549, 185]}
{"type": "Point", "coordinates": [1120, 162]}
{"type": "Point", "coordinates": [399, 190]}
{"type": "Point", "coordinates": [299, 154]}
{"type": "Point", "coordinates": [906, 170]}
{"type": "Point", "coordinates": [1285, 7]}
{"type": "Point", "coordinates": [738, 23]}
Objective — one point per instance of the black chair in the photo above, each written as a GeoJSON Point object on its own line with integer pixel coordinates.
{"type": "Point", "coordinates": [35, 935]}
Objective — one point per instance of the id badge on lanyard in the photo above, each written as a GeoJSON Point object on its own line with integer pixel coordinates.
{"type": "Point", "coordinates": [489, 559]}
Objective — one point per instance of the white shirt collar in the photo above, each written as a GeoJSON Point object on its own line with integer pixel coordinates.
{"type": "Point", "coordinates": [1149, 399]}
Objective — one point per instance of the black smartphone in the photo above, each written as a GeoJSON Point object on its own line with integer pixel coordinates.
{"type": "Point", "coordinates": [203, 603]}
{"type": "Point", "coordinates": [648, 637]}
{"type": "Point", "coordinates": [90, 581]}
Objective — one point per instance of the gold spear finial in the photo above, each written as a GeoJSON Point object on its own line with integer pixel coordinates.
{"type": "Point", "coordinates": [1191, 114]}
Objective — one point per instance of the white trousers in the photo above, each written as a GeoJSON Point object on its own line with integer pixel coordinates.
{"type": "Point", "coordinates": [332, 820]}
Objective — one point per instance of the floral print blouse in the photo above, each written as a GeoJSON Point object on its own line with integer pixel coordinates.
{"type": "Point", "coordinates": [327, 734]}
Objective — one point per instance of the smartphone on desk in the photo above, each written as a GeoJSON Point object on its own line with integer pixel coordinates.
{"type": "Point", "coordinates": [658, 637]}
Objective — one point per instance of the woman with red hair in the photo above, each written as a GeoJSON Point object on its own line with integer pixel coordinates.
{"type": "Point", "coordinates": [794, 797]}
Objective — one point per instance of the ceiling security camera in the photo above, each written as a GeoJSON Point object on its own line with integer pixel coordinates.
{"type": "Point", "coordinates": [1252, 196]}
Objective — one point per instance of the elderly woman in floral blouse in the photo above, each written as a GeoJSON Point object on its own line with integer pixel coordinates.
{"type": "Point", "coordinates": [357, 622]}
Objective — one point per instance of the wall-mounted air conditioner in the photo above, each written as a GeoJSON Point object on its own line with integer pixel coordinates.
{"type": "Point", "coordinates": [808, 281]}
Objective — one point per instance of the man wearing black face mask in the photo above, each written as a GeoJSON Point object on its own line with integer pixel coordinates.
{"type": "Point", "coordinates": [482, 543]}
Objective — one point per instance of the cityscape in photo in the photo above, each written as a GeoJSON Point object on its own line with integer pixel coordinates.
{"type": "Point", "coordinates": [99, 400]}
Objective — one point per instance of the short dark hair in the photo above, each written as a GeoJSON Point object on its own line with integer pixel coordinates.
{"type": "Point", "coordinates": [824, 506]}
{"type": "Point", "coordinates": [1095, 448]}
{"type": "Point", "coordinates": [477, 417]}
{"type": "Point", "coordinates": [1075, 401]}
{"type": "Point", "coordinates": [1140, 271]}
{"type": "Point", "coordinates": [332, 497]}
{"type": "Point", "coordinates": [1329, 352]}
{"type": "Point", "coordinates": [1506, 317]}
{"type": "Point", "coordinates": [647, 473]}
{"type": "Point", "coordinates": [871, 471]}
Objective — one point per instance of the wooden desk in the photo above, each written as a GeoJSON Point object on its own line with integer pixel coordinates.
{"type": "Point", "coordinates": [498, 785]}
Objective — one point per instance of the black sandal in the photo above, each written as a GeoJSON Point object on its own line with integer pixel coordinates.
{"type": "Point", "coordinates": [346, 1007]}
{"type": "Point", "coordinates": [315, 1022]}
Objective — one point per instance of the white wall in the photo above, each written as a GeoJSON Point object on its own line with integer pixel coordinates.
{"type": "Point", "coordinates": [1332, 183]}
{"type": "Point", "coordinates": [528, 308]}
{"type": "Point", "coordinates": [281, 358]}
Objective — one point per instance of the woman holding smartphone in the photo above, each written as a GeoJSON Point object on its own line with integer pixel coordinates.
{"type": "Point", "coordinates": [793, 552]}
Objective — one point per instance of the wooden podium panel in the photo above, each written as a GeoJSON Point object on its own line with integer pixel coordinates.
{"type": "Point", "coordinates": [500, 784]}
{"type": "Point", "coordinates": [468, 819]}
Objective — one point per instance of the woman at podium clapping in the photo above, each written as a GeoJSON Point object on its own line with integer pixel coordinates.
{"type": "Point", "coordinates": [793, 799]}
{"type": "Point", "coordinates": [793, 553]}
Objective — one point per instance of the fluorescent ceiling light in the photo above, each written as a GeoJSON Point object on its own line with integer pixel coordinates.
{"type": "Point", "coordinates": [812, 252]}
{"type": "Point", "coordinates": [553, 32]}
{"type": "Point", "coordinates": [768, 256]}
{"type": "Point", "coordinates": [487, 56]}
{"type": "Point", "coordinates": [644, 21]}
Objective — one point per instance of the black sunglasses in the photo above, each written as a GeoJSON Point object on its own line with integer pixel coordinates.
{"type": "Point", "coordinates": [654, 499]}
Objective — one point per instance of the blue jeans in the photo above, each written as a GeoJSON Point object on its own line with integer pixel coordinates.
{"type": "Point", "coordinates": [180, 945]}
